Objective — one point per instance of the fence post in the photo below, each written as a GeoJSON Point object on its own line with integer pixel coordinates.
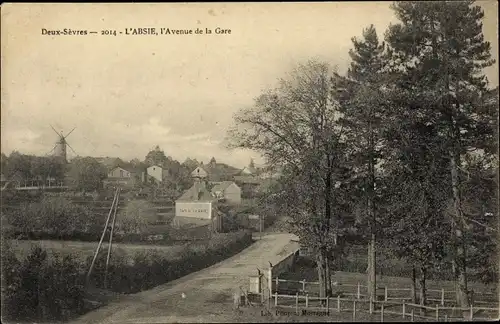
{"type": "Point", "coordinates": [297, 304]}
{"type": "Point", "coordinates": [359, 291]}
{"type": "Point", "coordinates": [446, 317]}
{"type": "Point", "coordinates": [270, 280]}
{"type": "Point", "coordinates": [471, 313]}
{"type": "Point", "coordinates": [327, 304]}
{"type": "Point", "coordinates": [276, 299]}
{"type": "Point", "coordinates": [277, 280]}
{"type": "Point", "coordinates": [437, 312]}
{"type": "Point", "coordinates": [354, 311]}
{"type": "Point", "coordinates": [371, 305]}
{"type": "Point", "coordinates": [412, 315]}
{"type": "Point", "coordinates": [382, 313]}
{"type": "Point", "coordinates": [304, 285]}
{"type": "Point", "coordinates": [442, 297]}
{"type": "Point", "coordinates": [385, 293]}
{"type": "Point", "coordinates": [404, 309]}
{"type": "Point", "coordinates": [307, 301]}
{"type": "Point", "coordinates": [338, 303]}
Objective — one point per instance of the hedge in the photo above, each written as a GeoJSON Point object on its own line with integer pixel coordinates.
{"type": "Point", "coordinates": [39, 288]}
{"type": "Point", "coordinates": [148, 269]}
{"type": "Point", "coordinates": [42, 288]}
{"type": "Point", "coordinates": [163, 238]}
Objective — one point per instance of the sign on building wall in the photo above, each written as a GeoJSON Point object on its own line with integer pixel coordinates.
{"type": "Point", "coordinates": [194, 209]}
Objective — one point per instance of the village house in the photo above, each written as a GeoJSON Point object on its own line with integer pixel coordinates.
{"type": "Point", "coordinates": [199, 172]}
{"type": "Point", "coordinates": [214, 172]}
{"type": "Point", "coordinates": [108, 162]}
{"type": "Point", "coordinates": [156, 172]}
{"type": "Point", "coordinates": [124, 176]}
{"type": "Point", "coordinates": [248, 170]}
{"type": "Point", "coordinates": [196, 206]}
{"type": "Point", "coordinates": [227, 190]}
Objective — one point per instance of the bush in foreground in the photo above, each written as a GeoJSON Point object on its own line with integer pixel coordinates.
{"type": "Point", "coordinates": [40, 289]}
{"type": "Point", "coordinates": [147, 269]}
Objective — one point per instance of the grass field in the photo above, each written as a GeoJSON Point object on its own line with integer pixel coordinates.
{"type": "Point", "coordinates": [349, 280]}
{"type": "Point", "coordinates": [86, 249]}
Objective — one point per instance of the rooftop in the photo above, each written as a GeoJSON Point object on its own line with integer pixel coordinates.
{"type": "Point", "coordinates": [222, 186]}
{"type": "Point", "coordinates": [197, 192]}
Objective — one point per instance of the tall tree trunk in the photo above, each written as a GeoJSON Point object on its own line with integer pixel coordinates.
{"type": "Point", "coordinates": [372, 269]}
{"type": "Point", "coordinates": [414, 285]}
{"type": "Point", "coordinates": [423, 290]}
{"type": "Point", "coordinates": [328, 278]}
{"type": "Point", "coordinates": [372, 278]}
{"type": "Point", "coordinates": [320, 264]}
{"type": "Point", "coordinates": [454, 155]}
{"type": "Point", "coordinates": [368, 269]}
{"type": "Point", "coordinates": [327, 262]}
{"type": "Point", "coordinates": [460, 256]}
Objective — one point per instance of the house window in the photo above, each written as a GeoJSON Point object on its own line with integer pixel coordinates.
{"type": "Point", "coordinates": [121, 173]}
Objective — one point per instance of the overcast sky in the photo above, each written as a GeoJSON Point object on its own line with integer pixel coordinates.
{"type": "Point", "coordinates": [127, 94]}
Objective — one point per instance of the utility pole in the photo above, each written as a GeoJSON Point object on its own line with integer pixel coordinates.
{"type": "Point", "coordinates": [115, 200]}
{"type": "Point", "coordinates": [111, 241]}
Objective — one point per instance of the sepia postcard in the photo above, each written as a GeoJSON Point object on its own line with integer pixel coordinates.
{"type": "Point", "coordinates": [249, 162]}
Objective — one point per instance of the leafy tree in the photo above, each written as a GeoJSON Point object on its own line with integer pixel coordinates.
{"type": "Point", "coordinates": [191, 164]}
{"type": "Point", "coordinates": [416, 226]}
{"type": "Point", "coordinates": [44, 168]}
{"type": "Point", "coordinates": [40, 288]}
{"type": "Point", "coordinates": [3, 161]}
{"type": "Point", "coordinates": [156, 157]}
{"type": "Point", "coordinates": [364, 114]}
{"type": "Point", "coordinates": [18, 164]}
{"type": "Point", "coordinates": [480, 203]}
{"type": "Point", "coordinates": [296, 127]}
{"type": "Point", "coordinates": [87, 174]}
{"type": "Point", "coordinates": [135, 162]}
{"type": "Point", "coordinates": [439, 52]}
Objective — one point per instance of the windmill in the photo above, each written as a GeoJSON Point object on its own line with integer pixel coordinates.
{"type": "Point", "coordinates": [60, 146]}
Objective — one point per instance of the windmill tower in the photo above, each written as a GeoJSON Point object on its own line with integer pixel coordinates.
{"type": "Point", "coordinates": [60, 146]}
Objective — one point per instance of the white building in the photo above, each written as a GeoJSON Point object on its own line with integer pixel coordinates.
{"type": "Point", "coordinates": [156, 172]}
{"type": "Point", "coordinates": [227, 190]}
{"type": "Point", "coordinates": [196, 206]}
{"type": "Point", "coordinates": [199, 172]}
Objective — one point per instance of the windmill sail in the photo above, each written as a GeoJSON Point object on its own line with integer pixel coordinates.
{"type": "Point", "coordinates": [60, 149]}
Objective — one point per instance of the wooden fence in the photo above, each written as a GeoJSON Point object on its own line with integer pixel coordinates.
{"type": "Point", "coordinates": [407, 311]}
{"type": "Point", "coordinates": [440, 296]}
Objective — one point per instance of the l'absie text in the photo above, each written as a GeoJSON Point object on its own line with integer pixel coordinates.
{"type": "Point", "coordinates": [65, 32]}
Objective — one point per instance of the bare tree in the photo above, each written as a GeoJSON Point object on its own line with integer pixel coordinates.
{"type": "Point", "coordinates": [298, 128]}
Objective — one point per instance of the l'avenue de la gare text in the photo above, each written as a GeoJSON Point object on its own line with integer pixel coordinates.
{"type": "Point", "coordinates": [172, 31]}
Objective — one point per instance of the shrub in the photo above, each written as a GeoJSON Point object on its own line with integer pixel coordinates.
{"type": "Point", "coordinates": [134, 219]}
{"type": "Point", "coordinates": [148, 269]}
{"type": "Point", "coordinates": [54, 216]}
{"type": "Point", "coordinates": [41, 289]}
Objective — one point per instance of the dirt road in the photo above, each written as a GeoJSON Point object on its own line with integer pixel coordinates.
{"type": "Point", "coordinates": [207, 293]}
